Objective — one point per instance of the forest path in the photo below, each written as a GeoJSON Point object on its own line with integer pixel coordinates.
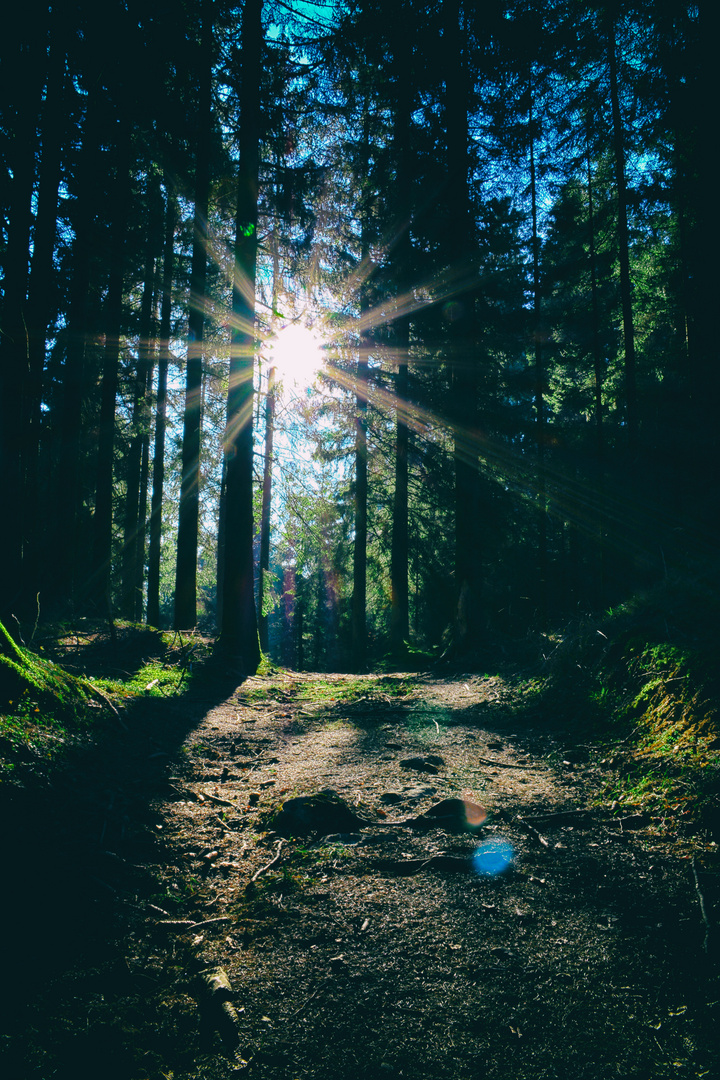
{"type": "Point", "coordinates": [381, 952]}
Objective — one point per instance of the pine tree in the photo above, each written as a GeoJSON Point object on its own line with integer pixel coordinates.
{"type": "Point", "coordinates": [189, 509]}
{"type": "Point", "coordinates": [239, 636]}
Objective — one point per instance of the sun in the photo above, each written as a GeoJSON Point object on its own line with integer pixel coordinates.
{"type": "Point", "coordinates": [296, 351]}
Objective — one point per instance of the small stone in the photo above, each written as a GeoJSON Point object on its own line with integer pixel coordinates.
{"type": "Point", "coordinates": [420, 764]}
{"type": "Point", "coordinates": [456, 815]}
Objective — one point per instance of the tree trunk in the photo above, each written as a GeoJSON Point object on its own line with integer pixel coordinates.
{"type": "Point", "coordinates": [134, 520]}
{"type": "Point", "coordinates": [189, 509]}
{"type": "Point", "coordinates": [265, 514]}
{"type": "Point", "coordinates": [67, 572]}
{"type": "Point", "coordinates": [539, 395]}
{"type": "Point", "coordinates": [149, 354]}
{"type": "Point", "coordinates": [141, 535]}
{"type": "Point", "coordinates": [623, 249]}
{"type": "Point", "coordinates": [359, 596]}
{"type": "Point", "coordinates": [28, 66]}
{"type": "Point", "coordinates": [153, 600]}
{"type": "Point", "coordinates": [399, 592]}
{"type": "Point", "coordinates": [39, 304]}
{"type": "Point", "coordinates": [299, 621]}
{"type": "Point", "coordinates": [462, 345]}
{"type": "Point", "coordinates": [239, 637]}
{"type": "Point", "coordinates": [696, 183]}
{"type": "Point", "coordinates": [266, 509]}
{"type": "Point", "coordinates": [598, 394]}
{"type": "Point", "coordinates": [102, 522]}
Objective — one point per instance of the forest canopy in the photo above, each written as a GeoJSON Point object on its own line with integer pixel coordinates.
{"type": "Point", "coordinates": [488, 225]}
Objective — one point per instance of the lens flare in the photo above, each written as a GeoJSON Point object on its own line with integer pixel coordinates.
{"type": "Point", "coordinates": [493, 857]}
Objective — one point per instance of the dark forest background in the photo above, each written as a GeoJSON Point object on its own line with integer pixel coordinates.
{"type": "Point", "coordinates": [500, 218]}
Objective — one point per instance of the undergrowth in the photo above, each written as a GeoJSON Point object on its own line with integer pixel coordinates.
{"type": "Point", "coordinates": [48, 702]}
{"type": "Point", "coordinates": [643, 682]}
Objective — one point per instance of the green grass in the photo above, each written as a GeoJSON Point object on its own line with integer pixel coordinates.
{"type": "Point", "coordinates": [154, 679]}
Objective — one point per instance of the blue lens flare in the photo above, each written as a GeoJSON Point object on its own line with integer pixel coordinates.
{"type": "Point", "coordinates": [493, 858]}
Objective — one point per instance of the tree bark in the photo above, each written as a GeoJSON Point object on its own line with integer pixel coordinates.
{"type": "Point", "coordinates": [539, 379]}
{"type": "Point", "coordinates": [359, 596]}
{"type": "Point", "coordinates": [399, 591]}
{"type": "Point", "coordinates": [265, 514]}
{"type": "Point", "coordinates": [189, 509]}
{"type": "Point", "coordinates": [599, 598]}
{"type": "Point", "coordinates": [39, 302]}
{"type": "Point", "coordinates": [99, 584]}
{"type": "Point", "coordinates": [462, 345]}
{"type": "Point", "coordinates": [623, 248]}
{"type": "Point", "coordinates": [28, 67]}
{"type": "Point", "coordinates": [266, 508]}
{"type": "Point", "coordinates": [133, 555]}
{"type": "Point", "coordinates": [239, 636]}
{"type": "Point", "coordinates": [68, 573]}
{"type": "Point", "coordinates": [158, 483]}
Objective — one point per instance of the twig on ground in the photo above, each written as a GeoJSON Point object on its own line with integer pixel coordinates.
{"type": "Point", "coordinates": [159, 911]}
{"type": "Point", "coordinates": [701, 898]}
{"type": "Point", "coordinates": [557, 814]}
{"type": "Point", "coordinates": [220, 802]}
{"type": "Point", "coordinates": [221, 822]}
{"type": "Point", "coordinates": [209, 922]}
{"type": "Point", "coordinates": [19, 629]}
{"type": "Point", "coordinates": [272, 862]}
{"type": "Point", "coordinates": [103, 697]}
{"type": "Point", "coordinates": [532, 830]}
{"type": "Point", "coordinates": [505, 764]}
{"type": "Point", "coordinates": [304, 1006]}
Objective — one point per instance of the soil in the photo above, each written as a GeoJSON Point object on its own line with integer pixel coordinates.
{"type": "Point", "coordinates": [156, 925]}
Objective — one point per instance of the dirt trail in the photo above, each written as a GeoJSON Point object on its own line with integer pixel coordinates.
{"type": "Point", "coordinates": [381, 952]}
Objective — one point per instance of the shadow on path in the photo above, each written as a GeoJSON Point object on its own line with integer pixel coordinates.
{"type": "Point", "coordinates": [79, 844]}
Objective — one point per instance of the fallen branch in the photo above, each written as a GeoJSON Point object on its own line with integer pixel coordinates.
{"type": "Point", "coordinates": [103, 697]}
{"type": "Point", "coordinates": [504, 764]}
{"type": "Point", "coordinates": [558, 816]}
{"type": "Point", "coordinates": [532, 830]}
{"type": "Point", "coordinates": [272, 862]}
{"type": "Point", "coordinates": [441, 861]}
{"type": "Point", "coordinates": [209, 922]}
{"type": "Point", "coordinates": [219, 802]}
{"type": "Point", "coordinates": [701, 898]}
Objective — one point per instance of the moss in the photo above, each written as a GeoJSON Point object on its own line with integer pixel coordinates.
{"type": "Point", "coordinates": [23, 675]}
{"type": "Point", "coordinates": [645, 678]}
